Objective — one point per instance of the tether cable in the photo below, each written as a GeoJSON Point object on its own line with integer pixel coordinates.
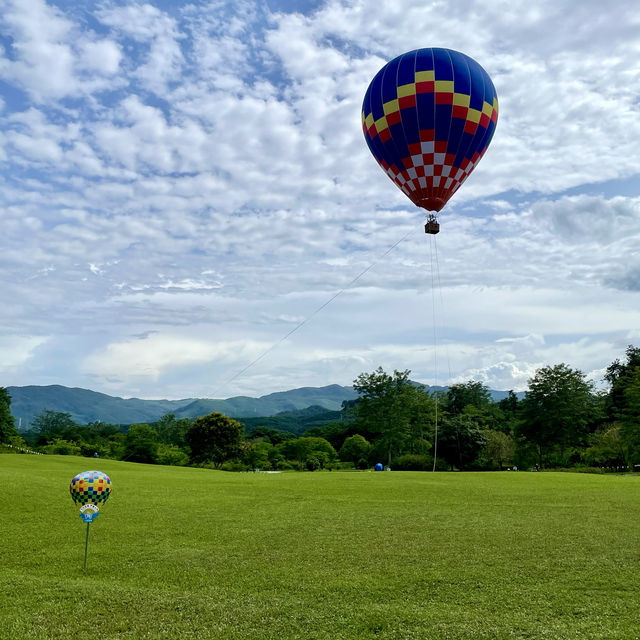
{"type": "Point", "coordinates": [432, 244]}
{"type": "Point", "coordinates": [317, 311]}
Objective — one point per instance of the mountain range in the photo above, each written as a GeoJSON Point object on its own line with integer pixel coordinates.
{"type": "Point", "coordinates": [88, 406]}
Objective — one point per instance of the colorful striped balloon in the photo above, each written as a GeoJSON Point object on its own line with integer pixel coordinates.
{"type": "Point", "coordinates": [90, 487]}
{"type": "Point", "coordinates": [428, 117]}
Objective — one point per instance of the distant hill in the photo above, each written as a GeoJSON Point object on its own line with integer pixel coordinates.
{"type": "Point", "coordinates": [88, 406]}
{"type": "Point", "coordinates": [297, 421]}
{"type": "Point", "coordinates": [330, 397]}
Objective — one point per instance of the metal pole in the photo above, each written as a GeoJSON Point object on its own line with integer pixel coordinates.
{"type": "Point", "coordinates": [86, 546]}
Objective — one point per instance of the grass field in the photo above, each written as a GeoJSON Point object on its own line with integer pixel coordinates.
{"type": "Point", "coordinates": [190, 553]}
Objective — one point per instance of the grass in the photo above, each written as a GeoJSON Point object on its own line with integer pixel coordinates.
{"type": "Point", "coordinates": [189, 553]}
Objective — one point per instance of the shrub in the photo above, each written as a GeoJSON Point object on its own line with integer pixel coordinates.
{"type": "Point", "coordinates": [62, 448]}
{"type": "Point", "coordinates": [412, 462]}
{"type": "Point", "coordinates": [169, 454]}
{"type": "Point", "coordinates": [234, 465]}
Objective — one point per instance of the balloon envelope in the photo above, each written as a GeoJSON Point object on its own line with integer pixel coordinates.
{"type": "Point", "coordinates": [90, 486]}
{"type": "Point", "coordinates": [428, 117]}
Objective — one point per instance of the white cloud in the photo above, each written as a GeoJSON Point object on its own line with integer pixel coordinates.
{"type": "Point", "coordinates": [197, 174]}
{"type": "Point", "coordinates": [16, 351]}
{"type": "Point", "coordinates": [50, 56]}
{"type": "Point", "coordinates": [149, 357]}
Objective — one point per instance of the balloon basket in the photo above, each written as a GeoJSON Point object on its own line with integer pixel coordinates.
{"type": "Point", "coordinates": [432, 226]}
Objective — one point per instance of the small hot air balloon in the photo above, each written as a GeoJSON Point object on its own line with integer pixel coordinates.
{"type": "Point", "coordinates": [428, 117]}
{"type": "Point", "coordinates": [90, 487]}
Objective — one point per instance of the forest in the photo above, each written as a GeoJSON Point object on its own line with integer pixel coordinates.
{"type": "Point", "coordinates": [561, 422]}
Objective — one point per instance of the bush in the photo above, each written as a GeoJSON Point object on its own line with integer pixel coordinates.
{"type": "Point", "coordinates": [62, 448]}
{"type": "Point", "coordinates": [412, 462]}
{"type": "Point", "coordinates": [340, 466]}
{"type": "Point", "coordinates": [169, 454]}
{"type": "Point", "coordinates": [234, 465]}
{"type": "Point", "coordinates": [580, 470]}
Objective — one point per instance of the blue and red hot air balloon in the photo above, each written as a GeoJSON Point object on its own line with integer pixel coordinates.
{"type": "Point", "coordinates": [428, 117]}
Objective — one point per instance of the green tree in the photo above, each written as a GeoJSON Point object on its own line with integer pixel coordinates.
{"type": "Point", "coordinates": [619, 376]}
{"type": "Point", "coordinates": [608, 447]}
{"type": "Point", "coordinates": [141, 444]}
{"type": "Point", "coordinates": [52, 423]}
{"type": "Point", "coordinates": [422, 414]}
{"type": "Point", "coordinates": [172, 430]}
{"type": "Point", "coordinates": [500, 447]}
{"type": "Point", "coordinates": [214, 438]}
{"type": "Point", "coordinates": [257, 454]}
{"type": "Point", "coordinates": [556, 410]}
{"type": "Point", "coordinates": [460, 440]}
{"type": "Point", "coordinates": [464, 394]}
{"type": "Point", "coordinates": [62, 447]}
{"type": "Point", "coordinates": [507, 419]}
{"type": "Point", "coordinates": [355, 449]}
{"type": "Point", "coordinates": [310, 451]}
{"type": "Point", "coordinates": [7, 423]}
{"type": "Point", "coordinates": [170, 454]}
{"type": "Point", "coordinates": [384, 407]}
{"type": "Point", "coordinates": [630, 417]}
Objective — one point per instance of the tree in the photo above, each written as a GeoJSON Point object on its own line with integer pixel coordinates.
{"type": "Point", "coordinates": [619, 375]}
{"type": "Point", "coordinates": [214, 438]}
{"type": "Point", "coordinates": [460, 440]}
{"type": "Point", "coordinates": [257, 454]}
{"type": "Point", "coordinates": [170, 454]}
{"type": "Point", "coordinates": [385, 407]}
{"type": "Point", "coordinates": [62, 447]}
{"type": "Point", "coordinates": [355, 449]}
{"type": "Point", "coordinates": [313, 452]}
{"type": "Point", "coordinates": [609, 447]}
{"type": "Point", "coordinates": [630, 418]}
{"type": "Point", "coordinates": [7, 423]}
{"type": "Point", "coordinates": [556, 409]}
{"type": "Point", "coordinates": [141, 444]}
{"type": "Point", "coordinates": [506, 418]}
{"type": "Point", "coordinates": [464, 394]}
{"type": "Point", "coordinates": [172, 430]}
{"type": "Point", "coordinates": [52, 423]}
{"type": "Point", "coordinates": [500, 447]}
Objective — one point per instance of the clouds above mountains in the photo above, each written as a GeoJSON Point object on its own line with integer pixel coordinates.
{"type": "Point", "coordinates": [182, 184]}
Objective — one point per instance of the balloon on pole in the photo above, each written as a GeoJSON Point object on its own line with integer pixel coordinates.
{"type": "Point", "coordinates": [90, 489]}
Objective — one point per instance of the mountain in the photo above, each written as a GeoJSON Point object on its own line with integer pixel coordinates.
{"type": "Point", "coordinates": [330, 397]}
{"type": "Point", "coordinates": [88, 406]}
{"type": "Point", "coordinates": [297, 421]}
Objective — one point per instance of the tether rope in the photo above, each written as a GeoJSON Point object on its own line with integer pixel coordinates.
{"type": "Point", "coordinates": [432, 244]}
{"type": "Point", "coordinates": [318, 310]}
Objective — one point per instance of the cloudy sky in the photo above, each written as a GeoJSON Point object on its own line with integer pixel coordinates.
{"type": "Point", "coordinates": [184, 184]}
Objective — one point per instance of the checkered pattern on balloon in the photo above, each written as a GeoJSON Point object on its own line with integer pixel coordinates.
{"type": "Point", "coordinates": [428, 117]}
{"type": "Point", "coordinates": [90, 489]}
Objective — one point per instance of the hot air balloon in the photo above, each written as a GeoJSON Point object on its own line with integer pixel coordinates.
{"type": "Point", "coordinates": [91, 487]}
{"type": "Point", "coordinates": [428, 117]}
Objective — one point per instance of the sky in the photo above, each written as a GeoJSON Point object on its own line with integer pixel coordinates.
{"type": "Point", "coordinates": [188, 207]}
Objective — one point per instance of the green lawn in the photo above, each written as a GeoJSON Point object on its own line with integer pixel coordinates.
{"type": "Point", "coordinates": [190, 553]}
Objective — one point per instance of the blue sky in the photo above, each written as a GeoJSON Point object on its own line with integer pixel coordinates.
{"type": "Point", "coordinates": [182, 184]}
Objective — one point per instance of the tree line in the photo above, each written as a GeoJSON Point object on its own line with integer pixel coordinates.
{"type": "Point", "coordinates": [561, 422]}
